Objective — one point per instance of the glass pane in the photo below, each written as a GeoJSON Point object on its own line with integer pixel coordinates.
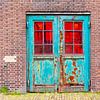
{"type": "Point", "coordinates": [69, 37]}
{"type": "Point", "coordinates": [77, 25]}
{"type": "Point", "coordinates": [68, 26]}
{"type": "Point", "coordinates": [78, 37]}
{"type": "Point", "coordinates": [38, 25]}
{"type": "Point", "coordinates": [38, 37]}
{"type": "Point", "coordinates": [47, 37]}
{"type": "Point", "coordinates": [47, 25]}
{"type": "Point", "coordinates": [78, 49]}
{"type": "Point", "coordinates": [38, 49]}
{"type": "Point", "coordinates": [69, 49]}
{"type": "Point", "coordinates": [48, 49]}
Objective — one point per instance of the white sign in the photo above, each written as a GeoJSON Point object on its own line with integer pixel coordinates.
{"type": "Point", "coordinates": [9, 58]}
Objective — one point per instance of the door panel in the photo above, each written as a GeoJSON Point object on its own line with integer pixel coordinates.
{"type": "Point", "coordinates": [75, 54]}
{"type": "Point", "coordinates": [43, 72]}
{"type": "Point", "coordinates": [74, 71]}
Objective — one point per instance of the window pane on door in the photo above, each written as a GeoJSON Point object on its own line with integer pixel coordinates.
{"type": "Point", "coordinates": [38, 25]}
{"type": "Point", "coordinates": [77, 37]}
{"type": "Point", "coordinates": [38, 49]}
{"type": "Point", "coordinates": [48, 49]}
{"type": "Point", "coordinates": [68, 26]}
{"type": "Point", "coordinates": [47, 37]}
{"type": "Point", "coordinates": [38, 37]}
{"type": "Point", "coordinates": [78, 49]}
{"type": "Point", "coordinates": [77, 25]}
{"type": "Point", "coordinates": [69, 49]}
{"type": "Point", "coordinates": [69, 37]}
{"type": "Point", "coordinates": [47, 25]}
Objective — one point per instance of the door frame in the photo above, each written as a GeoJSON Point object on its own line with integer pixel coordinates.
{"type": "Point", "coordinates": [29, 56]}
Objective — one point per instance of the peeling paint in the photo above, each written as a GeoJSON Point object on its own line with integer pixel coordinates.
{"type": "Point", "coordinates": [74, 63]}
{"type": "Point", "coordinates": [73, 73]}
{"type": "Point", "coordinates": [75, 69]}
{"type": "Point", "coordinates": [71, 78]}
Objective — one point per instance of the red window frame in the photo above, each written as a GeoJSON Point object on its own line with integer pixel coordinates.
{"type": "Point", "coordinates": [43, 37]}
{"type": "Point", "coordinates": [73, 37]}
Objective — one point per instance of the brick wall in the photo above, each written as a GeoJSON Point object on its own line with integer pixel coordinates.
{"type": "Point", "coordinates": [13, 36]}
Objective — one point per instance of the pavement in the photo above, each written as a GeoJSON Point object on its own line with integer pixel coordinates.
{"type": "Point", "coordinates": [52, 96]}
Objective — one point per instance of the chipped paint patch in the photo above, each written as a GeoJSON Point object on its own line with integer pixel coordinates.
{"type": "Point", "coordinates": [74, 71]}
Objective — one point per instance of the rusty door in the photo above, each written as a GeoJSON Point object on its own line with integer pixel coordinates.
{"type": "Point", "coordinates": [74, 53]}
{"type": "Point", "coordinates": [58, 53]}
{"type": "Point", "coordinates": [42, 48]}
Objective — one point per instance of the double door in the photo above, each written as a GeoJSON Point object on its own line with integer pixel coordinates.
{"type": "Point", "coordinates": [58, 53]}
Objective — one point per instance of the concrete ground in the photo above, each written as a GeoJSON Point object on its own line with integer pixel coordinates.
{"type": "Point", "coordinates": [52, 96]}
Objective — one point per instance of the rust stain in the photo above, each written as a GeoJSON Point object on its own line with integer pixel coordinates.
{"type": "Point", "coordinates": [62, 74]}
{"type": "Point", "coordinates": [74, 63]}
{"type": "Point", "coordinates": [61, 36]}
{"type": "Point", "coordinates": [75, 69]}
{"type": "Point", "coordinates": [71, 78]}
{"type": "Point", "coordinates": [73, 73]}
{"type": "Point", "coordinates": [55, 65]}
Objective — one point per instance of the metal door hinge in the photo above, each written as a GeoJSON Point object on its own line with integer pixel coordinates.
{"type": "Point", "coordinates": [89, 24]}
{"type": "Point", "coordinates": [27, 24]}
{"type": "Point", "coordinates": [28, 82]}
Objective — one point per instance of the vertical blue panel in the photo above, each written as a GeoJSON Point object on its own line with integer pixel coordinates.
{"type": "Point", "coordinates": [56, 44]}
{"type": "Point", "coordinates": [29, 52]}
{"type": "Point", "coordinates": [87, 52]}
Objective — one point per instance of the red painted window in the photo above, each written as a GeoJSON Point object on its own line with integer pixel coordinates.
{"type": "Point", "coordinates": [77, 37]}
{"type": "Point", "coordinates": [68, 25]}
{"type": "Point", "coordinates": [38, 49]}
{"type": "Point", "coordinates": [73, 37]}
{"type": "Point", "coordinates": [38, 37]}
{"type": "Point", "coordinates": [43, 38]}
{"type": "Point", "coordinates": [48, 26]}
{"type": "Point", "coordinates": [77, 25]}
{"type": "Point", "coordinates": [47, 37]}
{"type": "Point", "coordinates": [48, 49]}
{"type": "Point", "coordinates": [69, 37]}
{"type": "Point", "coordinates": [78, 49]}
{"type": "Point", "coordinates": [38, 26]}
{"type": "Point", "coordinates": [69, 49]}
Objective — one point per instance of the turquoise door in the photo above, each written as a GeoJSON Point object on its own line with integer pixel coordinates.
{"type": "Point", "coordinates": [57, 53]}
